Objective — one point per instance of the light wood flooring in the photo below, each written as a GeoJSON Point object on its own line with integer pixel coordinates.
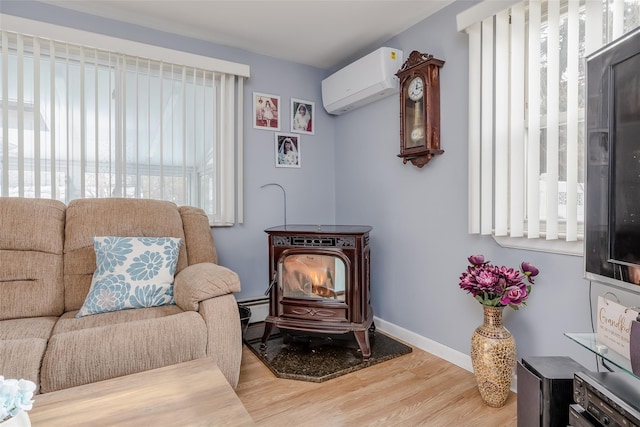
{"type": "Point", "coordinates": [417, 389]}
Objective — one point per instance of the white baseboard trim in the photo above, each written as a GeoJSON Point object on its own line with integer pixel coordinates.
{"type": "Point", "coordinates": [450, 355]}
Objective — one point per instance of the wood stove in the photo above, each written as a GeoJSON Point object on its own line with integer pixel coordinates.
{"type": "Point", "coordinates": [320, 281]}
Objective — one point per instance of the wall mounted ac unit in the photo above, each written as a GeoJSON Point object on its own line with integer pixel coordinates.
{"type": "Point", "coordinates": [368, 79]}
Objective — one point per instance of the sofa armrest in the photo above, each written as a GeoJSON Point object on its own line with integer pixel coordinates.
{"type": "Point", "coordinates": [199, 282]}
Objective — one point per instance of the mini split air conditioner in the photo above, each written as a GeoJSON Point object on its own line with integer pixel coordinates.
{"type": "Point", "coordinates": [368, 79]}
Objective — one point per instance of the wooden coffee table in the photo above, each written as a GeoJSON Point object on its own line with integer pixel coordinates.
{"type": "Point", "coordinates": [190, 393]}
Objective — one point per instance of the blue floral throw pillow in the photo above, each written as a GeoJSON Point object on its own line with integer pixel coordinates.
{"type": "Point", "coordinates": [132, 272]}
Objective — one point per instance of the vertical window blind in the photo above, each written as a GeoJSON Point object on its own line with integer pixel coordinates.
{"type": "Point", "coordinates": [526, 112]}
{"type": "Point", "coordinates": [81, 122]}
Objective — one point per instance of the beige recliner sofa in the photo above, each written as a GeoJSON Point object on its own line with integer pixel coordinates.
{"type": "Point", "coordinates": [47, 261]}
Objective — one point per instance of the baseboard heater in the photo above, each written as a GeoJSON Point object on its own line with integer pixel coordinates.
{"type": "Point", "coordinates": [259, 308]}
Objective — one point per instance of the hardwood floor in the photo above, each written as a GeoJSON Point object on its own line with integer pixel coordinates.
{"type": "Point", "coordinates": [417, 389]}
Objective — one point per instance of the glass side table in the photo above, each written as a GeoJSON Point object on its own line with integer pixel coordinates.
{"type": "Point", "coordinates": [591, 343]}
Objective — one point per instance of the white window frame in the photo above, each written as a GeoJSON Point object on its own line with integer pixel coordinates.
{"type": "Point", "coordinates": [229, 150]}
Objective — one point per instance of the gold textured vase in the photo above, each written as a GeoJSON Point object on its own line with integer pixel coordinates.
{"type": "Point", "coordinates": [493, 355]}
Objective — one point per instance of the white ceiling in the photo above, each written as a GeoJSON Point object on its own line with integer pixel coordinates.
{"type": "Point", "coordinates": [318, 33]}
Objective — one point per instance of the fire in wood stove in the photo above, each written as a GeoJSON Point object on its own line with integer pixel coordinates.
{"type": "Point", "coordinates": [312, 276]}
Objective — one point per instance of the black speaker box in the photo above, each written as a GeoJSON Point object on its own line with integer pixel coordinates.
{"type": "Point", "coordinates": [545, 390]}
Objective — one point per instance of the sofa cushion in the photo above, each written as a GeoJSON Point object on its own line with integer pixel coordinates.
{"type": "Point", "coordinates": [22, 346]}
{"type": "Point", "coordinates": [87, 355]}
{"type": "Point", "coordinates": [29, 327]}
{"type": "Point", "coordinates": [87, 218]}
{"type": "Point", "coordinates": [21, 359]}
{"type": "Point", "coordinates": [31, 244]}
{"type": "Point", "coordinates": [131, 272]}
{"type": "Point", "coordinates": [69, 322]}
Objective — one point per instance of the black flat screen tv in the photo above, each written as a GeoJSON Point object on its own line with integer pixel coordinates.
{"type": "Point", "coordinates": [612, 210]}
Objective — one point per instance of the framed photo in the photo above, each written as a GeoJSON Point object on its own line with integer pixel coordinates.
{"type": "Point", "coordinates": [266, 111]}
{"type": "Point", "coordinates": [287, 148]}
{"type": "Point", "coordinates": [302, 116]}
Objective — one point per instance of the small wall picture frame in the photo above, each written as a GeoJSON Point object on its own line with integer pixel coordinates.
{"type": "Point", "coordinates": [302, 116]}
{"type": "Point", "coordinates": [287, 148]}
{"type": "Point", "coordinates": [266, 111]}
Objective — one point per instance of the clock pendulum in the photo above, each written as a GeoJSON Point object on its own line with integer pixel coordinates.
{"type": "Point", "coordinates": [416, 92]}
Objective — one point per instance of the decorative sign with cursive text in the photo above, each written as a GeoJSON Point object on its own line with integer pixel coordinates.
{"type": "Point", "coordinates": [614, 325]}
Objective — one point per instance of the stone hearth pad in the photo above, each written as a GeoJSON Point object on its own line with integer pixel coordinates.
{"type": "Point", "coordinates": [321, 358]}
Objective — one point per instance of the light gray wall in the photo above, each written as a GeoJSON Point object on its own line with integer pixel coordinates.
{"type": "Point", "coordinates": [350, 174]}
{"type": "Point", "coordinates": [419, 240]}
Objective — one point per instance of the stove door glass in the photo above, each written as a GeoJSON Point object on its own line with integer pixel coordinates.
{"type": "Point", "coordinates": [312, 276]}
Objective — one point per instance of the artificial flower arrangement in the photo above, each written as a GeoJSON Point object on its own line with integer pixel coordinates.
{"type": "Point", "coordinates": [15, 397]}
{"type": "Point", "coordinates": [498, 286]}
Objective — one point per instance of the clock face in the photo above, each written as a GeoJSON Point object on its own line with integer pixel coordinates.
{"type": "Point", "coordinates": [415, 89]}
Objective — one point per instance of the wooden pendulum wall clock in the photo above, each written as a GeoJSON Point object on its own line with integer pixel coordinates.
{"type": "Point", "coordinates": [420, 108]}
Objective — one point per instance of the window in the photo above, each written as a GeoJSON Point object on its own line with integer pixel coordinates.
{"type": "Point", "coordinates": [526, 113]}
{"type": "Point", "coordinates": [83, 122]}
